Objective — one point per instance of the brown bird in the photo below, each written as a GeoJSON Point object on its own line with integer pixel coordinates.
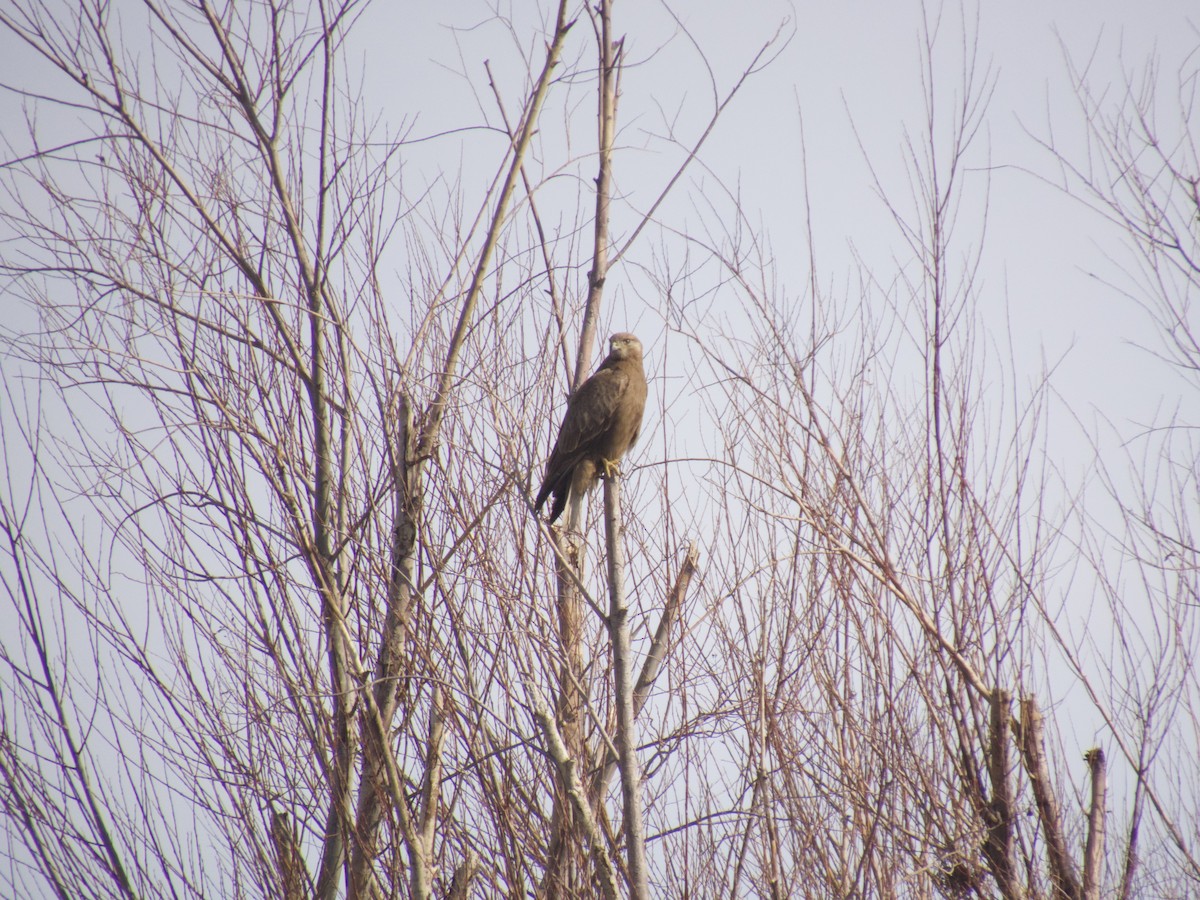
{"type": "Point", "coordinates": [602, 421]}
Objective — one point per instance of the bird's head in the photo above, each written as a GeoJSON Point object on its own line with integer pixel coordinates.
{"type": "Point", "coordinates": [624, 345]}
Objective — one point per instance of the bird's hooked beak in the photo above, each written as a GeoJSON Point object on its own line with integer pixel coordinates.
{"type": "Point", "coordinates": [622, 345]}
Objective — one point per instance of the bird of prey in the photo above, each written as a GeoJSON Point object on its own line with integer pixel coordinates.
{"type": "Point", "coordinates": [602, 422]}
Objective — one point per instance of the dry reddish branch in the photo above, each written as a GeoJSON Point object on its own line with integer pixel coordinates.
{"type": "Point", "coordinates": [1093, 854]}
{"type": "Point", "coordinates": [410, 457]}
{"type": "Point", "coordinates": [569, 550]}
{"type": "Point", "coordinates": [287, 858]}
{"type": "Point", "coordinates": [998, 843]}
{"type": "Point", "coordinates": [568, 773]}
{"type": "Point", "coordinates": [651, 666]}
{"type": "Point", "coordinates": [662, 634]}
{"type": "Point", "coordinates": [618, 630]}
{"type": "Point", "coordinates": [1033, 755]}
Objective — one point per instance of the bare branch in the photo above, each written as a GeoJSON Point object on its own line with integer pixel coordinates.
{"type": "Point", "coordinates": [574, 788]}
{"type": "Point", "coordinates": [618, 630]}
{"type": "Point", "coordinates": [1093, 854]}
{"type": "Point", "coordinates": [1033, 755]}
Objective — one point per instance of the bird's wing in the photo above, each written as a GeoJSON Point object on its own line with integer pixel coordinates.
{"type": "Point", "coordinates": [591, 411]}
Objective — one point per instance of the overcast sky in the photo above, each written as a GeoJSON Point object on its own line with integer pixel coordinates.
{"type": "Point", "coordinates": [852, 74]}
{"type": "Point", "coordinates": [851, 71]}
{"type": "Point", "coordinates": [856, 67]}
{"type": "Point", "coordinates": [1051, 274]}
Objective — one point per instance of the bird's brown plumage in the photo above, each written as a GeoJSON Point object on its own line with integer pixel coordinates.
{"type": "Point", "coordinates": [602, 422]}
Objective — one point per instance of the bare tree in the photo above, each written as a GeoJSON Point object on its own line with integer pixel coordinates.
{"type": "Point", "coordinates": [269, 454]}
{"type": "Point", "coordinates": [283, 623]}
{"type": "Point", "coordinates": [313, 664]}
{"type": "Point", "coordinates": [1138, 171]}
{"type": "Point", "coordinates": [887, 590]}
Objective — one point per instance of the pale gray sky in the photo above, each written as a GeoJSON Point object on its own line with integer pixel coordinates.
{"type": "Point", "coordinates": [857, 61]}
{"type": "Point", "coordinates": [851, 72]}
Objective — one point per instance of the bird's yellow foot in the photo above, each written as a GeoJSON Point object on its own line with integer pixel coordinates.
{"type": "Point", "coordinates": [609, 468]}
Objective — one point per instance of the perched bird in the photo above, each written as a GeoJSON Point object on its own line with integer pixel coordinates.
{"type": "Point", "coordinates": [602, 421]}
